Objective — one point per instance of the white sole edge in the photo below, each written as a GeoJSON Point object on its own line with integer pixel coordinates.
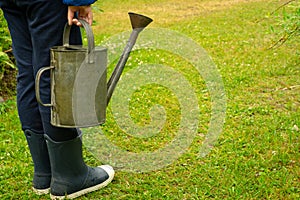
{"type": "Point", "coordinates": [41, 191]}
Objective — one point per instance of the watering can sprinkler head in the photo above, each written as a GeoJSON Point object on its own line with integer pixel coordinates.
{"type": "Point", "coordinates": [138, 23]}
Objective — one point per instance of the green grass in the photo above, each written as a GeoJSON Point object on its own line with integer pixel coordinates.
{"type": "Point", "coordinates": [256, 156]}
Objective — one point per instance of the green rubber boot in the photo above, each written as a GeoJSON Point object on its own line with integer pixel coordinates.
{"type": "Point", "coordinates": [40, 157]}
{"type": "Point", "coordinates": [71, 177]}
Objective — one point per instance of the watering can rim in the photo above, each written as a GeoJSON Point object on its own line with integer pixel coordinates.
{"type": "Point", "coordinates": [72, 48]}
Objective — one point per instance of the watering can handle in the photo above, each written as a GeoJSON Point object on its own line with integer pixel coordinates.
{"type": "Point", "coordinates": [90, 37]}
{"type": "Point", "coordinates": [37, 85]}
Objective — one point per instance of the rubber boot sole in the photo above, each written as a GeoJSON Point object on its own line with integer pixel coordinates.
{"type": "Point", "coordinates": [41, 191]}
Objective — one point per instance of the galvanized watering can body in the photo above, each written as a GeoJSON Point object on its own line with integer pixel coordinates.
{"type": "Point", "coordinates": [79, 89]}
{"type": "Point", "coordinates": [78, 83]}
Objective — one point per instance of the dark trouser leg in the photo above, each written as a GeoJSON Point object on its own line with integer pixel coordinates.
{"type": "Point", "coordinates": [35, 27]}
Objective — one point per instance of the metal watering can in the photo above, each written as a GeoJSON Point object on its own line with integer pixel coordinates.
{"type": "Point", "coordinates": [80, 92]}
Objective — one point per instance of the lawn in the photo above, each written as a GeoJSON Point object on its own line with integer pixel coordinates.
{"type": "Point", "coordinates": [257, 154]}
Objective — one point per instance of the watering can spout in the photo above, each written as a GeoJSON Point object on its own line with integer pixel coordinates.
{"type": "Point", "coordinates": [138, 23]}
